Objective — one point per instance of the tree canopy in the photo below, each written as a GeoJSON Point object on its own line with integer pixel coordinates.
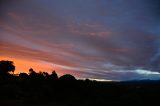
{"type": "Point", "coordinates": [6, 67]}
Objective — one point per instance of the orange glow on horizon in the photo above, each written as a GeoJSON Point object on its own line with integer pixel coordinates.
{"type": "Point", "coordinates": [23, 65]}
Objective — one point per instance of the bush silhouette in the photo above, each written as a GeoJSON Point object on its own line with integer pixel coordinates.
{"type": "Point", "coordinates": [67, 77]}
{"type": "Point", "coordinates": [32, 73]}
{"type": "Point", "coordinates": [54, 76]}
{"type": "Point", "coordinates": [6, 67]}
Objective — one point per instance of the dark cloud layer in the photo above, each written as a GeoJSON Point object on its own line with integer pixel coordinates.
{"type": "Point", "coordinates": [102, 39]}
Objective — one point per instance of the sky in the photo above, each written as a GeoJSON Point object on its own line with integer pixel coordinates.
{"type": "Point", "coordinates": [98, 39]}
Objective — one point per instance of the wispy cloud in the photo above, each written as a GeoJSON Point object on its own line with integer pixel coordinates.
{"type": "Point", "coordinates": [96, 39]}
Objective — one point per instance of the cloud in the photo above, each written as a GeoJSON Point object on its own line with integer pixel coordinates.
{"type": "Point", "coordinates": [146, 72]}
{"type": "Point", "coordinates": [96, 39]}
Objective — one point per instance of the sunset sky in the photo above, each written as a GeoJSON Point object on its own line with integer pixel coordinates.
{"type": "Point", "coordinates": [98, 39]}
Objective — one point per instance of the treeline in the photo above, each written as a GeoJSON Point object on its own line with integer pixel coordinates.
{"type": "Point", "coordinates": [7, 69]}
{"type": "Point", "coordinates": [43, 89]}
{"type": "Point", "coordinates": [40, 88]}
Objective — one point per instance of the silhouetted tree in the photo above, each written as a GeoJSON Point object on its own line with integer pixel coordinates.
{"type": "Point", "coordinates": [87, 80]}
{"type": "Point", "coordinates": [6, 67]}
{"type": "Point", "coordinates": [42, 75]}
{"type": "Point", "coordinates": [67, 77]}
{"type": "Point", "coordinates": [45, 74]}
{"type": "Point", "coordinates": [32, 72]}
{"type": "Point", "coordinates": [54, 76]}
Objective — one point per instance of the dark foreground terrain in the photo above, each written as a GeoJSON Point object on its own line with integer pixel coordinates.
{"type": "Point", "coordinates": [43, 92]}
{"type": "Point", "coordinates": [43, 89]}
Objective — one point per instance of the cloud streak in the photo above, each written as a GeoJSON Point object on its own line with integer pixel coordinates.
{"type": "Point", "coordinates": [95, 39]}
